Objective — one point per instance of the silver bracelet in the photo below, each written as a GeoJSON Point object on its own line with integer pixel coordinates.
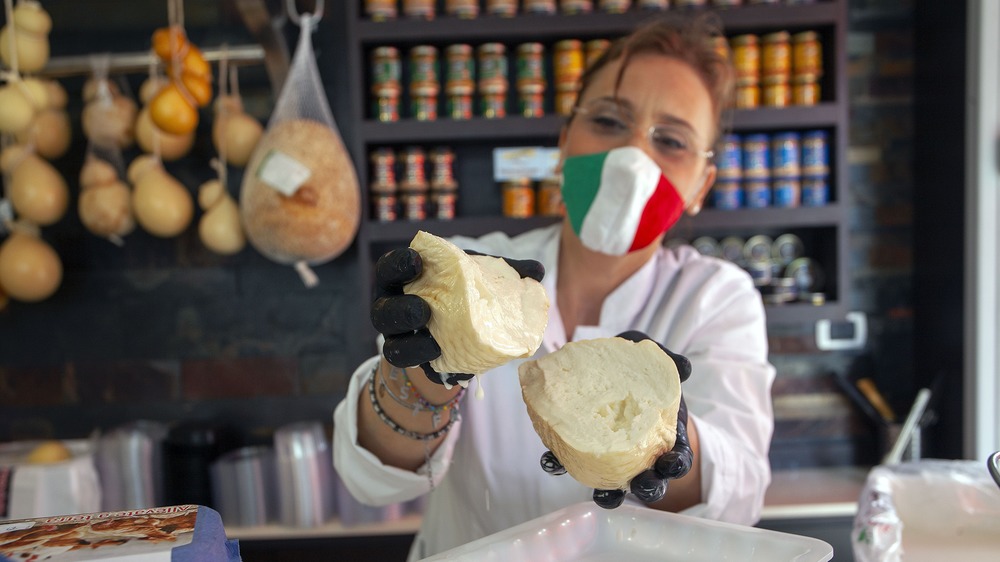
{"type": "Point", "coordinates": [401, 430]}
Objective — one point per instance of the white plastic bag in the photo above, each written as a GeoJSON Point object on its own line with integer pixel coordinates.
{"type": "Point", "coordinates": [928, 510]}
{"type": "Point", "coordinates": [300, 200]}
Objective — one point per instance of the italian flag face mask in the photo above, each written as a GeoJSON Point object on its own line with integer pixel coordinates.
{"type": "Point", "coordinates": [618, 201]}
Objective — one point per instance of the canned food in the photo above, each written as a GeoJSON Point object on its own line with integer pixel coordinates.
{"type": "Point", "coordinates": [384, 207]}
{"type": "Point", "coordinates": [805, 89]}
{"type": "Point", "coordinates": [807, 273]}
{"type": "Point", "coordinates": [747, 96]}
{"type": "Point", "coordinates": [459, 68]}
{"type": "Point", "coordinates": [615, 6]}
{"type": "Point", "coordinates": [550, 203]}
{"type": "Point", "coordinates": [727, 195]}
{"type": "Point", "coordinates": [492, 67]}
{"type": "Point", "coordinates": [815, 154]}
{"type": "Point", "coordinates": [732, 248]}
{"type": "Point", "coordinates": [776, 55]}
{"type": "Point", "coordinates": [565, 101]}
{"type": "Point", "coordinates": [546, 7]}
{"type": "Point", "coordinates": [501, 8]}
{"type": "Point", "coordinates": [531, 101]}
{"type": "Point", "coordinates": [530, 68]}
{"type": "Point", "coordinates": [787, 248]}
{"type": "Point", "coordinates": [785, 154]}
{"type": "Point", "coordinates": [786, 192]}
{"type": "Point", "coordinates": [758, 249]}
{"type": "Point", "coordinates": [776, 91]}
{"type": "Point", "coordinates": [573, 7]}
{"type": "Point", "coordinates": [567, 62]}
{"type": "Point", "coordinates": [757, 193]}
{"type": "Point", "coordinates": [383, 171]}
{"type": "Point", "coordinates": [494, 105]}
{"type": "Point", "coordinates": [727, 3]}
{"type": "Point", "coordinates": [707, 246]}
{"type": "Point", "coordinates": [386, 104]}
{"type": "Point", "coordinates": [459, 106]}
{"type": "Point", "coordinates": [414, 178]}
{"type": "Point", "coordinates": [746, 57]}
{"type": "Point", "coordinates": [464, 9]}
{"type": "Point", "coordinates": [653, 4]}
{"type": "Point", "coordinates": [424, 107]}
{"type": "Point", "coordinates": [760, 272]}
{"type": "Point", "coordinates": [593, 49]}
{"type": "Point", "coordinates": [423, 66]}
{"type": "Point", "coordinates": [756, 156]}
{"type": "Point", "coordinates": [815, 191]}
{"type": "Point", "coordinates": [518, 198]}
{"type": "Point", "coordinates": [690, 3]}
{"type": "Point", "coordinates": [442, 175]}
{"type": "Point", "coordinates": [729, 162]}
{"type": "Point", "coordinates": [445, 202]}
{"type": "Point", "coordinates": [807, 54]}
{"type": "Point", "coordinates": [419, 9]}
{"type": "Point", "coordinates": [414, 205]}
{"type": "Point", "coordinates": [381, 10]}
{"type": "Point", "coordinates": [386, 67]}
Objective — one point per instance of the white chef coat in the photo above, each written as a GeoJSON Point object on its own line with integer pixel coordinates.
{"type": "Point", "coordinates": [486, 472]}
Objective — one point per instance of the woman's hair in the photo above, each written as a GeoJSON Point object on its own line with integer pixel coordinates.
{"type": "Point", "coordinates": [692, 40]}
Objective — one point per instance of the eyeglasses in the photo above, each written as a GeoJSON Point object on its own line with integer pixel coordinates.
{"type": "Point", "coordinates": [615, 123]}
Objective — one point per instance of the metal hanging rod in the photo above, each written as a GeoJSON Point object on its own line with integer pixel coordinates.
{"type": "Point", "coordinates": [60, 67]}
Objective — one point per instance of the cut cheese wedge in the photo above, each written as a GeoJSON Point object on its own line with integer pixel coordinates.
{"type": "Point", "coordinates": [607, 407]}
{"type": "Point", "coordinates": [483, 314]}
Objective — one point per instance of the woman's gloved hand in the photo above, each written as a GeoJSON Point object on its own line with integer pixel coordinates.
{"type": "Point", "coordinates": [650, 485]}
{"type": "Point", "coordinates": [402, 318]}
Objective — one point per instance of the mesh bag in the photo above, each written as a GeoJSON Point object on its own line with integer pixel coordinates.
{"type": "Point", "coordinates": [299, 199]}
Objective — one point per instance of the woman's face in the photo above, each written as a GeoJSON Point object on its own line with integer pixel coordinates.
{"type": "Point", "coordinates": [661, 107]}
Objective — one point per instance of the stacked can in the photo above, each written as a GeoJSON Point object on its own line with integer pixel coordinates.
{"type": "Point", "coordinates": [420, 9]}
{"type": "Point", "coordinates": [573, 7]}
{"type": "Point", "coordinates": [550, 203]}
{"type": "Point", "coordinates": [493, 82]}
{"type": "Point", "coordinates": [501, 8]}
{"type": "Point", "coordinates": [776, 69]}
{"type": "Point", "coordinates": [728, 191]}
{"type": "Point", "coordinates": [756, 170]}
{"type": "Point", "coordinates": [593, 49]}
{"type": "Point", "coordinates": [386, 86]}
{"type": "Point", "coordinates": [463, 9]}
{"type": "Point", "coordinates": [444, 188]}
{"type": "Point", "coordinates": [615, 6]}
{"type": "Point", "coordinates": [424, 85]}
{"type": "Point", "coordinates": [383, 185]}
{"type": "Point", "coordinates": [531, 79]}
{"type": "Point", "coordinates": [815, 169]}
{"type": "Point", "coordinates": [459, 81]}
{"type": "Point", "coordinates": [381, 10]}
{"type": "Point", "coordinates": [518, 198]}
{"type": "Point", "coordinates": [786, 169]}
{"type": "Point", "coordinates": [413, 187]}
{"type": "Point", "coordinates": [544, 7]}
{"type": "Point", "coordinates": [745, 50]}
{"type": "Point", "coordinates": [568, 67]}
{"type": "Point", "coordinates": [807, 67]}
{"type": "Point", "coordinates": [653, 4]}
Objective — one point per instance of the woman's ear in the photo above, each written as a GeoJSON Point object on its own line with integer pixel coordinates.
{"type": "Point", "coordinates": [699, 197]}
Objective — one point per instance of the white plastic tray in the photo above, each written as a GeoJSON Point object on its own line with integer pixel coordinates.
{"type": "Point", "coordinates": [586, 533]}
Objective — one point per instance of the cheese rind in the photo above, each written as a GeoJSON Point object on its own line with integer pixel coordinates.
{"type": "Point", "coordinates": [483, 314]}
{"type": "Point", "coordinates": [607, 407]}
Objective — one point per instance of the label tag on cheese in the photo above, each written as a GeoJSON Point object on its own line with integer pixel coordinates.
{"type": "Point", "coordinates": [283, 173]}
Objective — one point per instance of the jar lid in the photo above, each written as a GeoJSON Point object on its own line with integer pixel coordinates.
{"type": "Point", "coordinates": [386, 52]}
{"type": "Point", "coordinates": [804, 36]}
{"type": "Point", "coordinates": [458, 49]}
{"type": "Point", "coordinates": [492, 49]}
{"type": "Point", "coordinates": [741, 40]}
{"type": "Point", "coordinates": [776, 37]}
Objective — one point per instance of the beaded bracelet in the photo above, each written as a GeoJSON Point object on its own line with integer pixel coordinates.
{"type": "Point", "coordinates": [403, 431]}
{"type": "Point", "coordinates": [436, 410]}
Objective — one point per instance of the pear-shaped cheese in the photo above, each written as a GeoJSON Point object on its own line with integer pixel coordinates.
{"type": "Point", "coordinates": [607, 407]}
{"type": "Point", "coordinates": [483, 314]}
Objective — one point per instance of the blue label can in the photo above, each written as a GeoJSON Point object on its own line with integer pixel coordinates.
{"type": "Point", "coordinates": [730, 160]}
{"type": "Point", "coordinates": [756, 156]}
{"type": "Point", "coordinates": [786, 192]}
{"type": "Point", "coordinates": [785, 154]}
{"type": "Point", "coordinates": [815, 154]}
{"type": "Point", "coordinates": [815, 191]}
{"type": "Point", "coordinates": [758, 193]}
{"type": "Point", "coordinates": [727, 195]}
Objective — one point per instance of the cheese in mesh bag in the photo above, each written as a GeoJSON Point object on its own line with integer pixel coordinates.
{"type": "Point", "coordinates": [299, 201]}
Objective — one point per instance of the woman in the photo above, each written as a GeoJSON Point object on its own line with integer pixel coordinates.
{"type": "Point", "coordinates": [648, 112]}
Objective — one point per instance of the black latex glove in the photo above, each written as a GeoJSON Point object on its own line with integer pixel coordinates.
{"type": "Point", "coordinates": [650, 485]}
{"type": "Point", "coordinates": [402, 318]}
